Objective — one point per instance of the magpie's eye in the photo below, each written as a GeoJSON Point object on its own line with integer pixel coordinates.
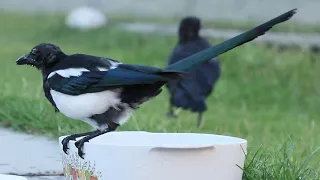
{"type": "Point", "coordinates": [34, 52]}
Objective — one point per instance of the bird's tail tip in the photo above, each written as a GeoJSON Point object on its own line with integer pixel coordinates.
{"type": "Point", "coordinates": [291, 13]}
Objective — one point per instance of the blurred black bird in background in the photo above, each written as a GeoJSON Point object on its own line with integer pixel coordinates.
{"type": "Point", "coordinates": [103, 92]}
{"type": "Point", "coordinates": [190, 93]}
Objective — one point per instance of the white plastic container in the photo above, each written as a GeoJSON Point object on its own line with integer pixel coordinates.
{"type": "Point", "coordinates": [11, 177]}
{"type": "Point", "coordinates": [86, 18]}
{"type": "Point", "coordinates": [136, 155]}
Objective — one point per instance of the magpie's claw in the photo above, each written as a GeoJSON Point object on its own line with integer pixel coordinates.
{"type": "Point", "coordinates": [171, 115]}
{"type": "Point", "coordinates": [65, 143]}
{"type": "Point", "coordinates": [65, 148]}
{"type": "Point", "coordinates": [79, 144]}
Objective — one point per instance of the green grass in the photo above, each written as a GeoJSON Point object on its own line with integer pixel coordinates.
{"type": "Point", "coordinates": [263, 96]}
{"type": "Point", "coordinates": [280, 165]}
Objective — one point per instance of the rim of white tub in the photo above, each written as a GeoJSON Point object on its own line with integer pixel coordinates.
{"type": "Point", "coordinates": [11, 177]}
{"type": "Point", "coordinates": [160, 139]}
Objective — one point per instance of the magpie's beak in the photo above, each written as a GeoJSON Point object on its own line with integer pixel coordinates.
{"type": "Point", "coordinates": [24, 60]}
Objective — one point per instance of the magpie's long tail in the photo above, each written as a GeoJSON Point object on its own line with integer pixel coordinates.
{"type": "Point", "coordinates": [227, 45]}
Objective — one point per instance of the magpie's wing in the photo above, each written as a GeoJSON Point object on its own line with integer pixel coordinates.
{"type": "Point", "coordinates": [97, 81]}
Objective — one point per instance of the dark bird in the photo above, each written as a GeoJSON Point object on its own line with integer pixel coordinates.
{"type": "Point", "coordinates": [191, 93]}
{"type": "Point", "coordinates": [103, 92]}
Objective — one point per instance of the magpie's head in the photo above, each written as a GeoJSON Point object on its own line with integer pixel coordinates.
{"type": "Point", "coordinates": [189, 29]}
{"type": "Point", "coordinates": [41, 56]}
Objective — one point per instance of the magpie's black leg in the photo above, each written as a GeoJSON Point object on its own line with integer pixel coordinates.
{"type": "Point", "coordinates": [66, 140]}
{"type": "Point", "coordinates": [199, 120]}
{"type": "Point", "coordinates": [79, 144]}
{"type": "Point", "coordinates": [170, 113]}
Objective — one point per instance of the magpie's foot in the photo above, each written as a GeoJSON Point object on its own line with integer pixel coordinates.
{"type": "Point", "coordinates": [171, 115]}
{"type": "Point", "coordinates": [65, 143]}
{"type": "Point", "coordinates": [199, 121]}
{"type": "Point", "coordinates": [79, 144]}
{"type": "Point", "coordinates": [199, 125]}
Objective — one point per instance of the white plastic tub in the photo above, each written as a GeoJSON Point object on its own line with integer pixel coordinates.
{"type": "Point", "coordinates": [134, 155]}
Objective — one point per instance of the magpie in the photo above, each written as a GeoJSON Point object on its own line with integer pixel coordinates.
{"type": "Point", "coordinates": [191, 93]}
{"type": "Point", "coordinates": [103, 92]}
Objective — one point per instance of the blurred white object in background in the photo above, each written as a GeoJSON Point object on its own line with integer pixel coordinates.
{"type": "Point", "coordinates": [85, 18]}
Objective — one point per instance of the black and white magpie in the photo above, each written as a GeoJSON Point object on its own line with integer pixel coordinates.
{"type": "Point", "coordinates": [103, 92]}
{"type": "Point", "coordinates": [191, 93]}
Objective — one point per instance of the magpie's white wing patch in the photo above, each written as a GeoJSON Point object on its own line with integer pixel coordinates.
{"type": "Point", "coordinates": [114, 64]}
{"type": "Point", "coordinates": [78, 71]}
{"type": "Point", "coordinates": [102, 69]}
{"type": "Point", "coordinates": [68, 72]}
